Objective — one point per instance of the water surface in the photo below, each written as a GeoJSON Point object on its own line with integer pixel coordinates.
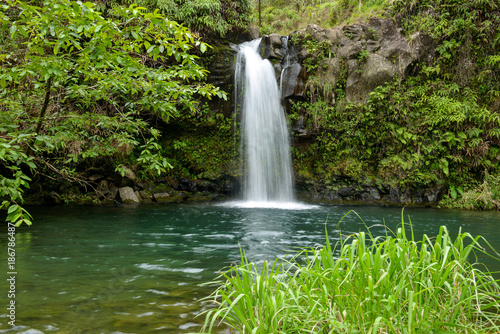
{"type": "Point", "coordinates": [138, 269]}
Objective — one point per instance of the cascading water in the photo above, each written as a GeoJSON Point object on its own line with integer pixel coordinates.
{"type": "Point", "coordinates": [286, 61]}
{"type": "Point", "coordinates": [265, 143]}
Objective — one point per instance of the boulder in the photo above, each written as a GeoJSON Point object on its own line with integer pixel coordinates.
{"type": "Point", "coordinates": [316, 32]}
{"type": "Point", "coordinates": [162, 197]}
{"type": "Point", "coordinates": [334, 35]}
{"type": "Point", "coordinates": [375, 72]}
{"type": "Point", "coordinates": [374, 51]}
{"type": "Point", "coordinates": [113, 192]}
{"type": "Point", "coordinates": [273, 46]}
{"type": "Point", "coordinates": [254, 31]}
{"type": "Point", "coordinates": [355, 32]}
{"type": "Point", "coordinates": [394, 195]}
{"type": "Point", "coordinates": [383, 29]}
{"type": "Point", "coordinates": [127, 195]}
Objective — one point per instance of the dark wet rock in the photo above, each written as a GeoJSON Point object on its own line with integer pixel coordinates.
{"type": "Point", "coordinates": [394, 195]}
{"type": "Point", "coordinates": [431, 195]}
{"type": "Point", "coordinates": [187, 185]}
{"type": "Point", "coordinates": [127, 195]}
{"type": "Point", "coordinates": [294, 80]}
{"type": "Point", "coordinates": [369, 194]}
{"type": "Point", "coordinates": [347, 192]}
{"type": "Point", "coordinates": [200, 197]}
{"type": "Point", "coordinates": [406, 196]}
{"type": "Point", "coordinates": [113, 192]}
{"type": "Point", "coordinates": [417, 197]}
{"type": "Point", "coordinates": [128, 179]}
{"type": "Point", "coordinates": [144, 194]}
{"type": "Point", "coordinates": [221, 69]}
{"type": "Point", "coordinates": [207, 186]}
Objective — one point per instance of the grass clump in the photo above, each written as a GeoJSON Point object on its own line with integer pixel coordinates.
{"type": "Point", "coordinates": [364, 284]}
{"type": "Point", "coordinates": [484, 197]}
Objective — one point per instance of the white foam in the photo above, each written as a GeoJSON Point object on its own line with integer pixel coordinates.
{"type": "Point", "coordinates": [269, 205]}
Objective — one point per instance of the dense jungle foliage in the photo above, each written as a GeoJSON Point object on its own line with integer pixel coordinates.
{"type": "Point", "coordinates": [207, 18]}
{"type": "Point", "coordinates": [101, 87]}
{"type": "Point", "coordinates": [84, 91]}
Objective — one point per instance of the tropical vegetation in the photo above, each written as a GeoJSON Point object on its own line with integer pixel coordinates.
{"type": "Point", "coordinates": [81, 91]}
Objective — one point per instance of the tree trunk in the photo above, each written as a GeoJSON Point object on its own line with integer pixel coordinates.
{"type": "Point", "coordinates": [44, 106]}
{"type": "Point", "coordinates": [260, 19]}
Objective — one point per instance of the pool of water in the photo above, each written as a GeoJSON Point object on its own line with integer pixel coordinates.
{"type": "Point", "coordinates": [138, 269]}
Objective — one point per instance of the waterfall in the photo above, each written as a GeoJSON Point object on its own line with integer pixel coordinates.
{"type": "Point", "coordinates": [286, 61]}
{"type": "Point", "coordinates": [265, 148]}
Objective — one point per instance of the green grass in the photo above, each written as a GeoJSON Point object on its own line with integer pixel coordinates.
{"type": "Point", "coordinates": [364, 284]}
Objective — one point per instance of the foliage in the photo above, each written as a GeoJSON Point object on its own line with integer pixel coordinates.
{"type": "Point", "coordinates": [205, 17]}
{"type": "Point", "coordinates": [483, 197]}
{"type": "Point", "coordinates": [203, 151]}
{"type": "Point", "coordinates": [364, 284]}
{"type": "Point", "coordinates": [415, 133]}
{"type": "Point", "coordinates": [78, 88]}
{"type": "Point", "coordinates": [282, 17]}
{"type": "Point", "coordinates": [13, 180]}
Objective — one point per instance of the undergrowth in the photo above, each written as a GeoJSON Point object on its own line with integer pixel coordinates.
{"type": "Point", "coordinates": [282, 17]}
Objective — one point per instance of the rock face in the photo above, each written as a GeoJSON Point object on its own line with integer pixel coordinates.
{"type": "Point", "coordinates": [364, 55]}
{"type": "Point", "coordinates": [337, 192]}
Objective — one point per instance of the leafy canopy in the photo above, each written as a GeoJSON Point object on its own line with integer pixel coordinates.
{"type": "Point", "coordinates": [76, 87]}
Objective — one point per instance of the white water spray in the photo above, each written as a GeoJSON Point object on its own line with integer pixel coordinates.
{"type": "Point", "coordinates": [265, 143]}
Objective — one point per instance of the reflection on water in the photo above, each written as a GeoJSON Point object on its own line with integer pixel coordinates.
{"type": "Point", "coordinates": [137, 269]}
